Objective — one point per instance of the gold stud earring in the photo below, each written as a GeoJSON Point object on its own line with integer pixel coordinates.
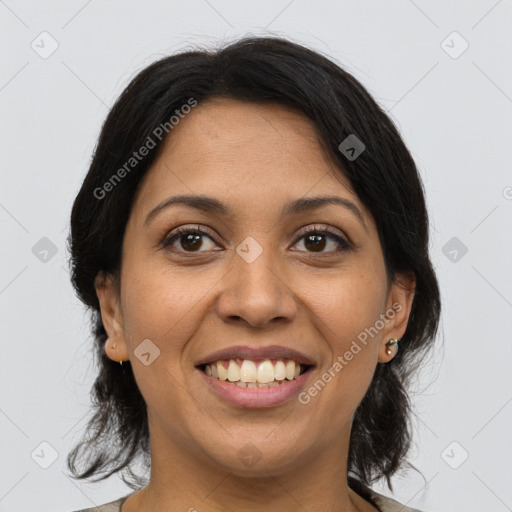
{"type": "Point", "coordinates": [114, 347]}
{"type": "Point", "coordinates": [389, 344]}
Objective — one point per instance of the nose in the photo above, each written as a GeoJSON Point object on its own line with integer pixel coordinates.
{"type": "Point", "coordinates": [256, 293]}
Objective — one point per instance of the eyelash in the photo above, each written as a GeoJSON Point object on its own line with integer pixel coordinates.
{"type": "Point", "coordinates": [342, 242]}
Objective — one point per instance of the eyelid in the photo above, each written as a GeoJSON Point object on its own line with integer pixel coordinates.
{"type": "Point", "coordinates": [179, 230]}
{"type": "Point", "coordinates": [323, 228]}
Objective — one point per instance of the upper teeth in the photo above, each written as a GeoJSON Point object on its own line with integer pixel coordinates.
{"type": "Point", "coordinates": [250, 371]}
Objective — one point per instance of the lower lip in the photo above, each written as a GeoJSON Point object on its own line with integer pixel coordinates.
{"type": "Point", "coordinates": [256, 397]}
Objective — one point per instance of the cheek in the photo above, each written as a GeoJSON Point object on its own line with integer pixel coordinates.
{"type": "Point", "coordinates": [345, 312]}
{"type": "Point", "coordinates": [349, 305]}
{"type": "Point", "coordinates": [165, 309]}
{"type": "Point", "coordinates": [163, 303]}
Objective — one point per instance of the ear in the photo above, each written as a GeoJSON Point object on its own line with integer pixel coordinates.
{"type": "Point", "coordinates": [110, 308]}
{"type": "Point", "coordinates": [398, 310]}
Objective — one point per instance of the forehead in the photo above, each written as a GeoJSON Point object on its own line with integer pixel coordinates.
{"type": "Point", "coordinates": [222, 124]}
{"type": "Point", "coordinates": [243, 151]}
{"type": "Point", "coordinates": [225, 116]}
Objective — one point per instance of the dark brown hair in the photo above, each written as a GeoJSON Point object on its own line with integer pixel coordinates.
{"type": "Point", "coordinates": [385, 178]}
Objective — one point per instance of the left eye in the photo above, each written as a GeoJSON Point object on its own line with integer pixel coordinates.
{"type": "Point", "coordinates": [315, 240]}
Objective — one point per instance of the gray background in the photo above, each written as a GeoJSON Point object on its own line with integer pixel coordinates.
{"type": "Point", "coordinates": [453, 108]}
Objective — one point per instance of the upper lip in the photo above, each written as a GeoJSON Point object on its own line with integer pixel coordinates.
{"type": "Point", "coordinates": [247, 352]}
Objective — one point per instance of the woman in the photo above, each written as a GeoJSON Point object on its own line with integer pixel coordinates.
{"type": "Point", "coordinates": [252, 241]}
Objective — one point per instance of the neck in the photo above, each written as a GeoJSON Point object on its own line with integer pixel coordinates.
{"type": "Point", "coordinates": [182, 479]}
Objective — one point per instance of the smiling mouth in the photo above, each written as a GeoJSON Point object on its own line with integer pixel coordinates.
{"type": "Point", "coordinates": [263, 373]}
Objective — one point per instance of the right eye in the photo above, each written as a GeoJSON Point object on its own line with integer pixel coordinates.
{"type": "Point", "coordinates": [188, 238]}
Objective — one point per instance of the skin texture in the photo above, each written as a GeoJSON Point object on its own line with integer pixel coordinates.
{"type": "Point", "coordinates": [254, 158]}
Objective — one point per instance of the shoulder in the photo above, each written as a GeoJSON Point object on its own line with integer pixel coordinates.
{"type": "Point", "coordinates": [386, 504]}
{"type": "Point", "coordinates": [389, 504]}
{"type": "Point", "coordinates": [111, 506]}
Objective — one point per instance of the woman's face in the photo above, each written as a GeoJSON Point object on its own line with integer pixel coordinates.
{"type": "Point", "coordinates": [262, 275]}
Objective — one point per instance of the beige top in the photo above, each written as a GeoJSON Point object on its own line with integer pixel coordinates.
{"type": "Point", "coordinates": [385, 504]}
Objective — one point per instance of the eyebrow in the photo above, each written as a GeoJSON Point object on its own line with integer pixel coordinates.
{"type": "Point", "coordinates": [214, 206]}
